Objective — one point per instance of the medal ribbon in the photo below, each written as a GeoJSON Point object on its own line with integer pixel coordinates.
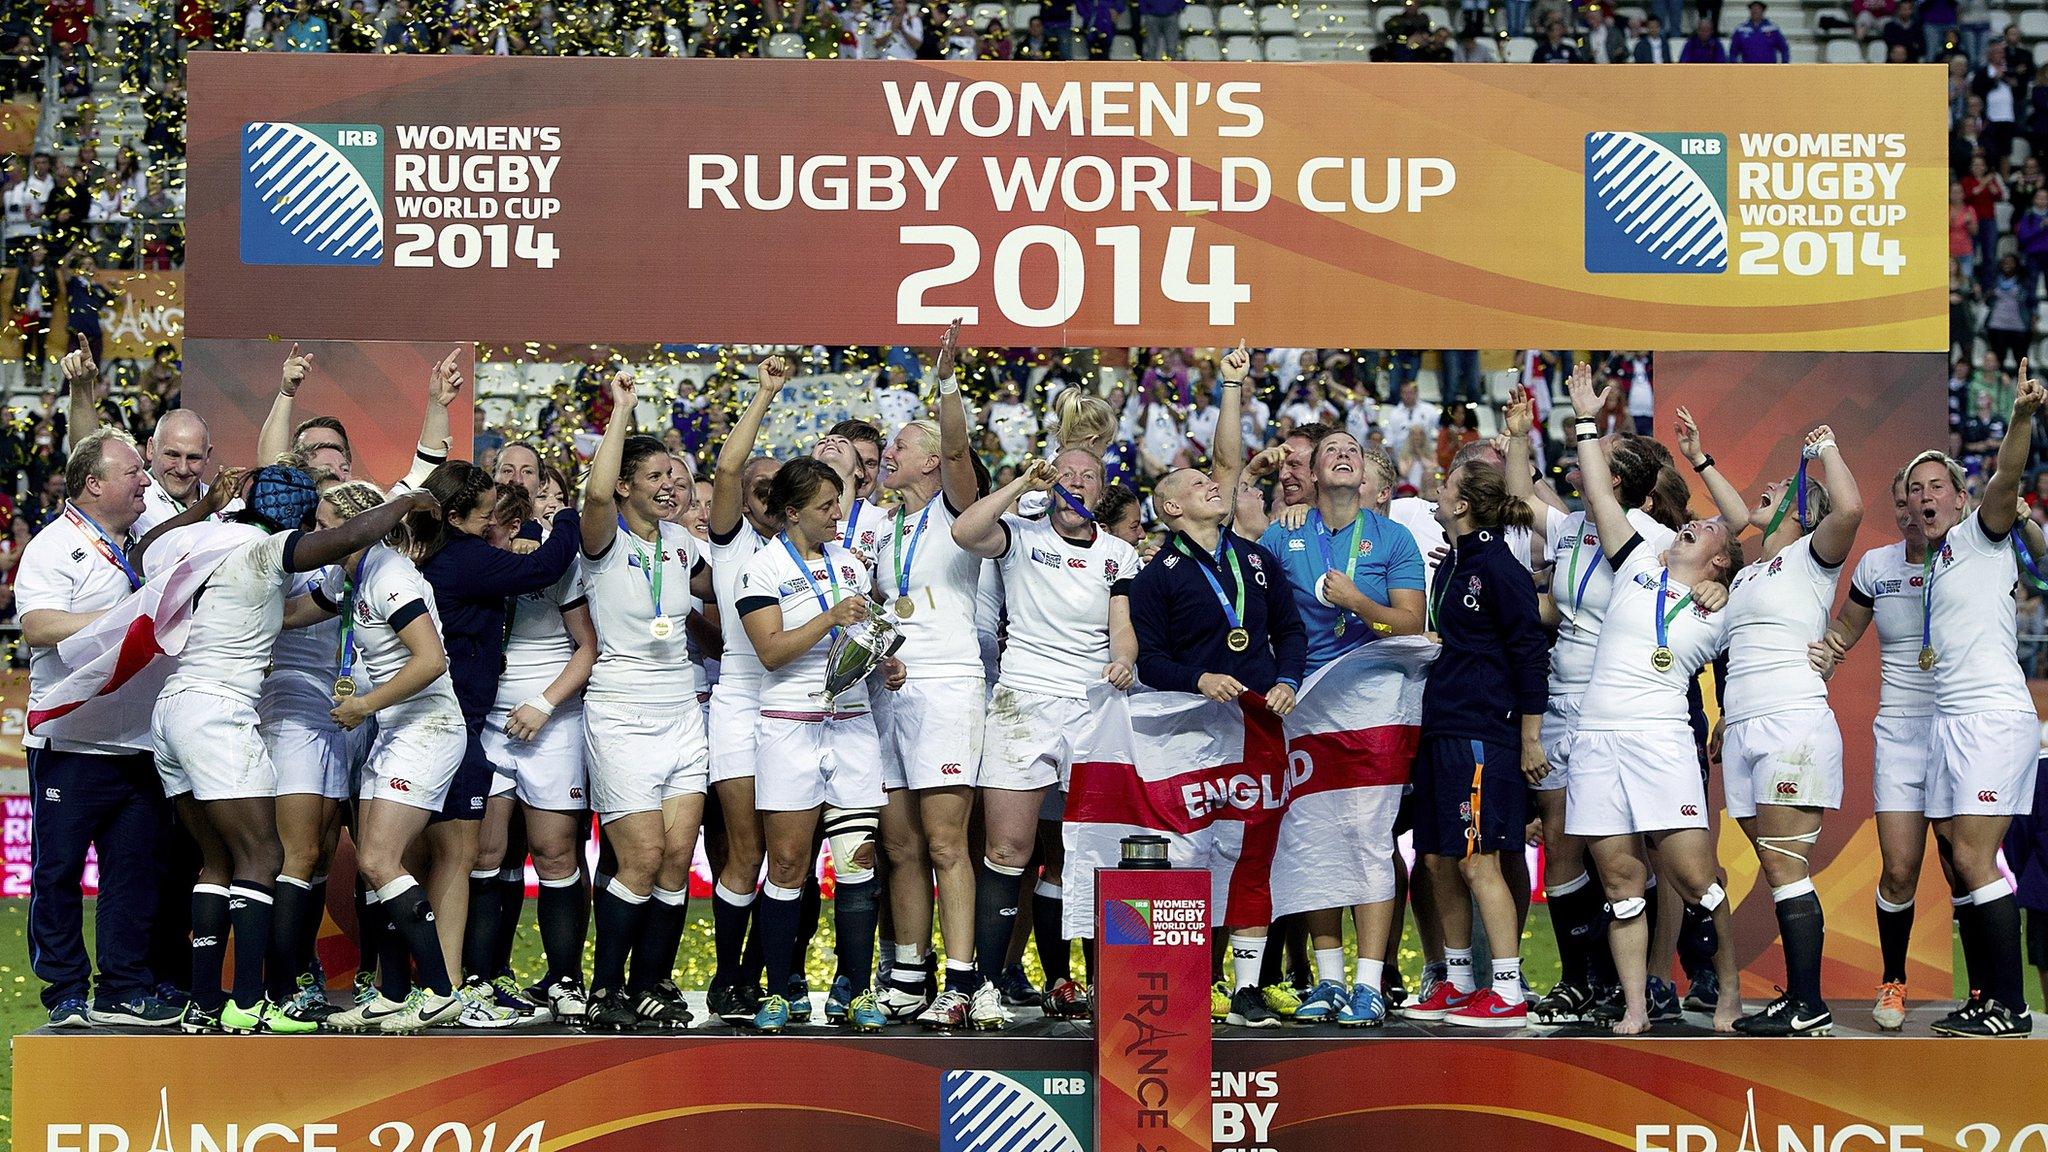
{"type": "Point", "coordinates": [852, 523]}
{"type": "Point", "coordinates": [831, 573]}
{"type": "Point", "coordinates": [103, 542]}
{"type": "Point", "coordinates": [344, 650]}
{"type": "Point", "coordinates": [1323, 543]}
{"type": "Point", "coordinates": [1447, 569]}
{"type": "Point", "coordinates": [1664, 618]}
{"type": "Point", "coordinates": [1572, 576]}
{"type": "Point", "coordinates": [1785, 506]}
{"type": "Point", "coordinates": [1073, 502]}
{"type": "Point", "coordinates": [903, 565]}
{"type": "Point", "coordinates": [2033, 571]}
{"type": "Point", "coordinates": [653, 575]}
{"type": "Point", "coordinates": [1233, 612]}
{"type": "Point", "coordinates": [1927, 597]}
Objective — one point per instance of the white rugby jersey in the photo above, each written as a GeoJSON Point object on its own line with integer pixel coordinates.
{"type": "Point", "coordinates": [537, 641]}
{"type": "Point", "coordinates": [739, 666]}
{"type": "Point", "coordinates": [1058, 595]}
{"type": "Point", "coordinates": [1893, 588]}
{"type": "Point", "coordinates": [312, 650]}
{"type": "Point", "coordinates": [939, 637]}
{"type": "Point", "coordinates": [158, 506]}
{"type": "Point", "coordinates": [861, 528]}
{"type": "Point", "coordinates": [236, 616]}
{"type": "Point", "coordinates": [64, 569]}
{"type": "Point", "coordinates": [632, 666]}
{"type": "Point", "coordinates": [1775, 609]}
{"type": "Point", "coordinates": [1976, 625]}
{"type": "Point", "coordinates": [772, 576]}
{"type": "Point", "coordinates": [1418, 516]}
{"type": "Point", "coordinates": [1627, 693]}
{"type": "Point", "coordinates": [1581, 580]}
{"type": "Point", "coordinates": [390, 594]}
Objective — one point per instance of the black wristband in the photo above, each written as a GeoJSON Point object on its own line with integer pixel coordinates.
{"type": "Point", "coordinates": [1586, 435]}
{"type": "Point", "coordinates": [1703, 465]}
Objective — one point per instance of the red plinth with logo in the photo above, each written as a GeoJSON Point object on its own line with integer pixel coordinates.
{"type": "Point", "coordinates": [1152, 1055]}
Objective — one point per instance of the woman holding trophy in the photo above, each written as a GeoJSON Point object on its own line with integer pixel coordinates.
{"type": "Point", "coordinates": [804, 602]}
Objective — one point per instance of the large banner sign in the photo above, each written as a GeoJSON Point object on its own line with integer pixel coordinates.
{"type": "Point", "coordinates": [588, 200]}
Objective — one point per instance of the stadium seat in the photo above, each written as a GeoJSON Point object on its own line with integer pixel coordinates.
{"type": "Point", "coordinates": [2034, 25]}
{"type": "Point", "coordinates": [1283, 48]}
{"type": "Point", "coordinates": [700, 15]}
{"type": "Point", "coordinates": [2041, 55]}
{"type": "Point", "coordinates": [785, 46]}
{"type": "Point", "coordinates": [1239, 49]}
{"type": "Point", "coordinates": [1804, 52]}
{"type": "Point", "coordinates": [1198, 19]}
{"type": "Point", "coordinates": [1237, 20]}
{"type": "Point", "coordinates": [1999, 21]}
{"type": "Point", "coordinates": [1438, 17]}
{"type": "Point", "coordinates": [1520, 50]}
{"type": "Point", "coordinates": [2002, 212]}
{"type": "Point", "coordinates": [2020, 151]}
{"type": "Point", "coordinates": [1123, 48]}
{"type": "Point", "coordinates": [1020, 16]}
{"type": "Point", "coordinates": [1203, 48]}
{"type": "Point", "coordinates": [1276, 20]}
{"type": "Point", "coordinates": [1875, 51]}
{"type": "Point", "coordinates": [1842, 52]}
{"type": "Point", "coordinates": [983, 13]}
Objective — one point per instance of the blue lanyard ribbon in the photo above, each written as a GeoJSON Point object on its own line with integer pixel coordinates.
{"type": "Point", "coordinates": [905, 563]}
{"type": "Point", "coordinates": [804, 567]}
{"type": "Point", "coordinates": [1324, 541]}
{"type": "Point", "coordinates": [1664, 618]}
{"type": "Point", "coordinates": [104, 542]}
{"type": "Point", "coordinates": [1073, 502]}
{"type": "Point", "coordinates": [1234, 613]}
{"type": "Point", "coordinates": [2033, 573]}
{"type": "Point", "coordinates": [1579, 593]}
{"type": "Point", "coordinates": [852, 523]}
{"type": "Point", "coordinates": [345, 650]}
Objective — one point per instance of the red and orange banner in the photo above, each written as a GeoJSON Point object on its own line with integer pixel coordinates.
{"type": "Point", "coordinates": [1152, 1052]}
{"type": "Point", "coordinates": [587, 200]}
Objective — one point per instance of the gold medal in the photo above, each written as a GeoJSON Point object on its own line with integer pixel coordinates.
{"type": "Point", "coordinates": [344, 687]}
{"type": "Point", "coordinates": [1928, 659]}
{"type": "Point", "coordinates": [1340, 626]}
{"type": "Point", "coordinates": [904, 607]}
{"type": "Point", "coordinates": [661, 628]}
{"type": "Point", "coordinates": [1237, 640]}
{"type": "Point", "coordinates": [1662, 659]}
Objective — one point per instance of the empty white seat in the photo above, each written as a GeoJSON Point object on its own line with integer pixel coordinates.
{"type": "Point", "coordinates": [785, 46]}
{"type": "Point", "coordinates": [1201, 48]}
{"type": "Point", "coordinates": [1198, 19]}
{"type": "Point", "coordinates": [1239, 49]}
{"type": "Point", "coordinates": [983, 13]}
{"type": "Point", "coordinates": [1021, 14]}
{"type": "Point", "coordinates": [1123, 48]}
{"type": "Point", "coordinates": [1276, 20]}
{"type": "Point", "coordinates": [1876, 51]}
{"type": "Point", "coordinates": [1804, 52]}
{"type": "Point", "coordinates": [1283, 48]}
{"type": "Point", "coordinates": [1237, 20]}
{"type": "Point", "coordinates": [1439, 17]}
{"type": "Point", "coordinates": [1520, 50]}
{"type": "Point", "coordinates": [1843, 52]}
{"type": "Point", "coordinates": [2034, 24]}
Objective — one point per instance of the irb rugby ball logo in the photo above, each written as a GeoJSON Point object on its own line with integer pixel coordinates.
{"type": "Point", "coordinates": [1656, 202]}
{"type": "Point", "coordinates": [312, 194]}
{"type": "Point", "coordinates": [984, 1111]}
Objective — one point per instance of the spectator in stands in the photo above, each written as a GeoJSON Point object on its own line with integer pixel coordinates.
{"type": "Point", "coordinates": [1703, 46]}
{"type": "Point", "coordinates": [2018, 56]}
{"type": "Point", "coordinates": [905, 37]}
{"type": "Point", "coordinates": [960, 41]}
{"type": "Point", "coordinates": [1973, 22]}
{"type": "Point", "coordinates": [1938, 27]}
{"type": "Point", "coordinates": [1517, 17]}
{"type": "Point", "coordinates": [1058, 18]}
{"type": "Point", "coordinates": [1653, 46]}
{"type": "Point", "coordinates": [1994, 82]}
{"type": "Point", "coordinates": [2009, 328]}
{"type": "Point", "coordinates": [994, 43]}
{"type": "Point", "coordinates": [30, 306]}
{"type": "Point", "coordinates": [1902, 32]}
{"type": "Point", "coordinates": [1161, 22]}
{"type": "Point", "coordinates": [407, 32]}
{"type": "Point", "coordinates": [1473, 48]}
{"type": "Point", "coordinates": [1984, 191]}
{"type": "Point", "coordinates": [1870, 16]}
{"type": "Point", "coordinates": [1096, 22]}
{"type": "Point", "coordinates": [1759, 41]}
{"type": "Point", "coordinates": [21, 70]}
{"type": "Point", "coordinates": [2032, 234]}
{"type": "Point", "coordinates": [1555, 49]}
{"type": "Point", "coordinates": [1962, 231]}
{"type": "Point", "coordinates": [2022, 185]}
{"type": "Point", "coordinates": [1602, 41]}
{"type": "Point", "coordinates": [84, 299]}
{"type": "Point", "coordinates": [1036, 43]}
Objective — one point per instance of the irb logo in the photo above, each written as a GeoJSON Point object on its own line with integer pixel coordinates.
{"type": "Point", "coordinates": [312, 194]}
{"type": "Point", "coordinates": [1656, 202]}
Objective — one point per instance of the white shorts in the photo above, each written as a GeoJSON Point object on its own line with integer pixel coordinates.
{"type": "Point", "coordinates": [414, 759]}
{"type": "Point", "coordinates": [546, 771]}
{"type": "Point", "coordinates": [641, 755]}
{"type": "Point", "coordinates": [1788, 758]}
{"type": "Point", "coordinates": [805, 763]}
{"type": "Point", "coordinates": [1628, 782]}
{"type": "Point", "coordinates": [735, 707]}
{"type": "Point", "coordinates": [1560, 726]}
{"type": "Point", "coordinates": [930, 732]}
{"type": "Point", "coordinates": [209, 746]}
{"type": "Point", "coordinates": [314, 756]}
{"type": "Point", "coordinates": [1898, 778]}
{"type": "Point", "coordinates": [1983, 764]}
{"type": "Point", "coordinates": [1026, 741]}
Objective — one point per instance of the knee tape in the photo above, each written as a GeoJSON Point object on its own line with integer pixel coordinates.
{"type": "Point", "coordinates": [1771, 844]}
{"type": "Point", "coordinates": [1713, 896]}
{"type": "Point", "coordinates": [846, 829]}
{"type": "Point", "coordinates": [1629, 909]}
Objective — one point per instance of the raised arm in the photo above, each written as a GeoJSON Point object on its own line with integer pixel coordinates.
{"type": "Point", "coordinates": [1520, 468]}
{"type": "Point", "coordinates": [956, 445]}
{"type": "Point", "coordinates": [82, 377]}
{"type": "Point", "coordinates": [980, 529]}
{"type": "Point", "coordinates": [276, 437]}
{"type": "Point", "coordinates": [1728, 501]}
{"type": "Point", "coordinates": [329, 545]}
{"type": "Point", "coordinates": [1252, 519]}
{"type": "Point", "coordinates": [1610, 519]}
{"type": "Point", "coordinates": [444, 384]}
{"type": "Point", "coordinates": [1836, 533]}
{"type": "Point", "coordinates": [600, 487]}
{"type": "Point", "coordinates": [1226, 452]}
{"type": "Point", "coordinates": [1999, 510]}
{"type": "Point", "coordinates": [728, 476]}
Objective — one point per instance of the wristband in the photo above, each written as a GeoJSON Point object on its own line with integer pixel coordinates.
{"type": "Point", "coordinates": [540, 704]}
{"type": "Point", "coordinates": [1232, 383]}
{"type": "Point", "coordinates": [1585, 424]}
{"type": "Point", "coordinates": [1586, 434]}
{"type": "Point", "coordinates": [1705, 463]}
{"type": "Point", "coordinates": [1813, 451]}
{"type": "Point", "coordinates": [949, 385]}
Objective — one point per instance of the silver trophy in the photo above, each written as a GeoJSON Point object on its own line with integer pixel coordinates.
{"type": "Point", "coordinates": [858, 650]}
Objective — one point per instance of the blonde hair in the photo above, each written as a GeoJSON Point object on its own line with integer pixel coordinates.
{"type": "Point", "coordinates": [352, 498]}
{"type": "Point", "coordinates": [929, 427]}
{"type": "Point", "coordinates": [1083, 421]}
{"type": "Point", "coordinates": [1955, 470]}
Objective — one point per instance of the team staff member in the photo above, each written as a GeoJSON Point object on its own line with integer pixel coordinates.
{"type": "Point", "coordinates": [179, 448]}
{"type": "Point", "coordinates": [1482, 738]}
{"type": "Point", "coordinates": [1634, 772]}
{"type": "Point", "coordinates": [86, 795]}
{"type": "Point", "coordinates": [1355, 575]}
{"type": "Point", "coordinates": [1213, 615]}
{"type": "Point", "coordinates": [644, 732]}
{"type": "Point", "coordinates": [1781, 757]}
{"type": "Point", "coordinates": [740, 526]}
{"type": "Point", "coordinates": [1986, 736]}
{"type": "Point", "coordinates": [1887, 589]}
